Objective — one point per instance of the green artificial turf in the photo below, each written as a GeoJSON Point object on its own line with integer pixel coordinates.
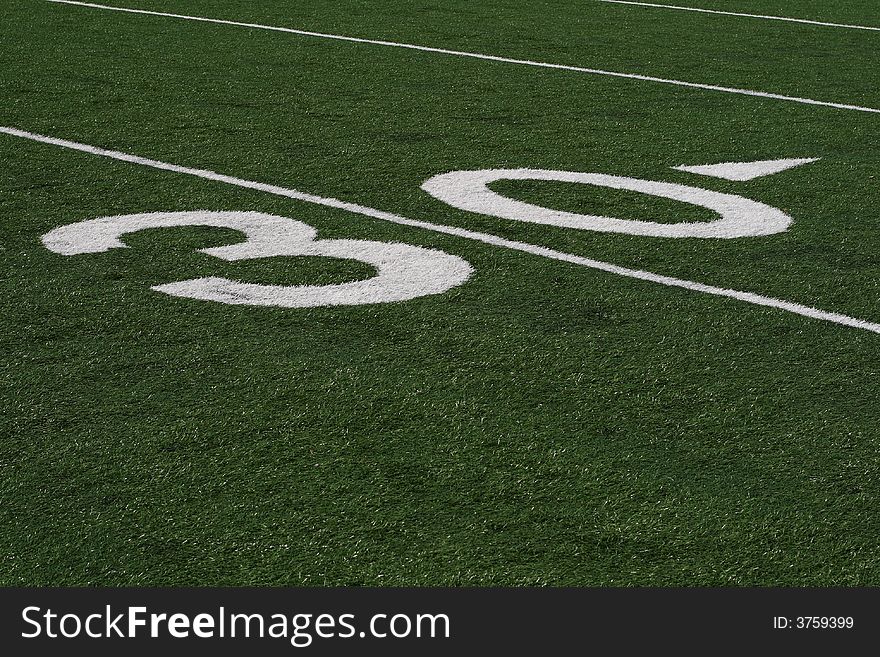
{"type": "Point", "coordinates": [543, 423]}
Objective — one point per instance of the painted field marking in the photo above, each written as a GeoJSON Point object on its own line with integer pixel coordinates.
{"type": "Point", "coordinates": [738, 216]}
{"type": "Point", "coordinates": [485, 238]}
{"type": "Point", "coordinates": [403, 271]}
{"type": "Point", "coordinates": [742, 15]}
{"type": "Point", "coordinates": [743, 171]}
{"type": "Point", "coordinates": [491, 58]}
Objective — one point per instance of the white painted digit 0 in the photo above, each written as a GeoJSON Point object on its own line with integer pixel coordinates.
{"type": "Point", "coordinates": [403, 271]}
{"type": "Point", "coordinates": [739, 216]}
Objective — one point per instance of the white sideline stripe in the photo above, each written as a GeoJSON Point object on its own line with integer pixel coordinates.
{"type": "Point", "coordinates": [491, 58]}
{"type": "Point", "coordinates": [736, 13]}
{"type": "Point", "coordinates": [485, 238]}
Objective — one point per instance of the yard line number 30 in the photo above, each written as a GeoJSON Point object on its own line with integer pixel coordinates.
{"type": "Point", "coordinates": [404, 271]}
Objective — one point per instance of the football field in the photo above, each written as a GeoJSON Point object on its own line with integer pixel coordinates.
{"type": "Point", "coordinates": [423, 292]}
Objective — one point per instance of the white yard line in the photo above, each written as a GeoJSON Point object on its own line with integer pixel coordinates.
{"type": "Point", "coordinates": [491, 58]}
{"type": "Point", "coordinates": [485, 238]}
{"type": "Point", "coordinates": [742, 15]}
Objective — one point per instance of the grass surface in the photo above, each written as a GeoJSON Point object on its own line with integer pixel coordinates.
{"type": "Point", "coordinates": [542, 424]}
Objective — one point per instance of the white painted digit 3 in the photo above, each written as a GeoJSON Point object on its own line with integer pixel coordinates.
{"type": "Point", "coordinates": [739, 216]}
{"type": "Point", "coordinates": [402, 271]}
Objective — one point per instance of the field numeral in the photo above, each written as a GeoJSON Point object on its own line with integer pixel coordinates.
{"type": "Point", "coordinates": [403, 271]}
{"type": "Point", "coordinates": [406, 272]}
{"type": "Point", "coordinates": [738, 216]}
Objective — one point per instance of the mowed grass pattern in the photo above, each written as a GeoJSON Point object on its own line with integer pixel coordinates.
{"type": "Point", "coordinates": [542, 424]}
